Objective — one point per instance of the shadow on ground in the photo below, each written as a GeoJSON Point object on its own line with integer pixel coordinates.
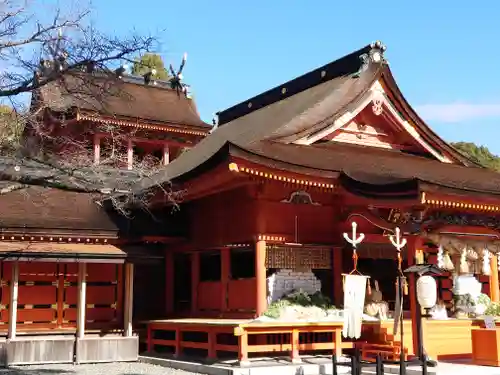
{"type": "Point", "coordinates": [21, 371]}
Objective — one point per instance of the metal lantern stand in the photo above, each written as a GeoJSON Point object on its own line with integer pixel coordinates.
{"type": "Point", "coordinates": [399, 243]}
{"type": "Point", "coordinates": [421, 270]}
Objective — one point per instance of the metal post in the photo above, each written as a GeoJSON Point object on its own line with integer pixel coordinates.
{"type": "Point", "coordinates": [402, 364]}
{"type": "Point", "coordinates": [354, 366]}
{"type": "Point", "coordinates": [424, 364]}
{"type": "Point", "coordinates": [334, 364]}
{"type": "Point", "coordinates": [418, 317]}
{"type": "Point", "coordinates": [378, 365]}
{"type": "Point", "coordinates": [358, 361]}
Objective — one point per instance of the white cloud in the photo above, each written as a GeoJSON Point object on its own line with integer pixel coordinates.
{"type": "Point", "coordinates": [458, 112]}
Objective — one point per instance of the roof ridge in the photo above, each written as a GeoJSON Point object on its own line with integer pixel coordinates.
{"type": "Point", "coordinates": [345, 65]}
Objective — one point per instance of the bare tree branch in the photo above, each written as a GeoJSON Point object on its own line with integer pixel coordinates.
{"type": "Point", "coordinates": [41, 142]}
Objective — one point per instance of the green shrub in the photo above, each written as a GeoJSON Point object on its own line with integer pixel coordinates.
{"type": "Point", "coordinates": [493, 309]}
{"type": "Point", "coordinates": [298, 298]}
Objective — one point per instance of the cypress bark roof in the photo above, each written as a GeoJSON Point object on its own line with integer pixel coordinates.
{"type": "Point", "coordinates": [127, 97]}
{"type": "Point", "coordinates": [264, 127]}
{"type": "Point", "coordinates": [293, 113]}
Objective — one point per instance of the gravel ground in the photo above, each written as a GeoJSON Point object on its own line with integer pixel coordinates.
{"type": "Point", "coordinates": [133, 368]}
{"type": "Point", "coordinates": [137, 368]}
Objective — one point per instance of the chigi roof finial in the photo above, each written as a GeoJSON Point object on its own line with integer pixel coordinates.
{"type": "Point", "coordinates": [374, 56]}
{"type": "Point", "coordinates": [215, 122]}
{"type": "Point", "coordinates": [377, 52]}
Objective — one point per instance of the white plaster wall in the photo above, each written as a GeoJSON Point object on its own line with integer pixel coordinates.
{"type": "Point", "coordinates": [285, 281]}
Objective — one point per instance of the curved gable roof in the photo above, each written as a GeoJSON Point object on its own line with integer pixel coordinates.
{"type": "Point", "coordinates": [300, 107]}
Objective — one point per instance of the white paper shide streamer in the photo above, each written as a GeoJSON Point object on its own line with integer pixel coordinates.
{"type": "Point", "coordinates": [486, 263]}
{"type": "Point", "coordinates": [354, 301]}
{"type": "Point", "coordinates": [440, 257]}
{"type": "Point", "coordinates": [354, 291]}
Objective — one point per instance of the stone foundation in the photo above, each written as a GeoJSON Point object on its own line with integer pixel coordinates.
{"type": "Point", "coordinates": [40, 349]}
{"type": "Point", "coordinates": [285, 281]}
{"type": "Point", "coordinates": [107, 349]}
{"type": "Point", "coordinates": [30, 350]}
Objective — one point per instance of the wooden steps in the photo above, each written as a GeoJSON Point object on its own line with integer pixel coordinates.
{"type": "Point", "coordinates": [380, 340]}
{"type": "Point", "coordinates": [445, 339]}
{"type": "Point", "coordinates": [389, 352]}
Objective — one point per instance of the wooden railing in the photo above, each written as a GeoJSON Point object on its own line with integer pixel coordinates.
{"type": "Point", "coordinates": [301, 337]}
{"type": "Point", "coordinates": [241, 338]}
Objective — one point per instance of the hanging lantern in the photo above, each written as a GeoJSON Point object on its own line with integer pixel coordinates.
{"type": "Point", "coordinates": [426, 292]}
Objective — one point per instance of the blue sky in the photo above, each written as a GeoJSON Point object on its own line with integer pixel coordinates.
{"type": "Point", "coordinates": [444, 55]}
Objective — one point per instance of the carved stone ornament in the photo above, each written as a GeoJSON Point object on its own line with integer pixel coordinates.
{"type": "Point", "coordinates": [300, 197]}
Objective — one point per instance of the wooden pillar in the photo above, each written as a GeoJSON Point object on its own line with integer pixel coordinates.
{"type": "Point", "coordinates": [82, 300]}
{"type": "Point", "coordinates": [260, 278]}
{"type": "Point", "coordinates": [129, 299]}
{"type": "Point", "coordinates": [130, 155]}
{"type": "Point", "coordinates": [294, 354]}
{"type": "Point", "coordinates": [212, 344]}
{"type": "Point", "coordinates": [225, 266]}
{"type": "Point", "coordinates": [338, 292]}
{"type": "Point", "coordinates": [338, 342]}
{"type": "Point", "coordinates": [97, 149]}
{"type": "Point", "coordinates": [243, 349]}
{"type": "Point", "coordinates": [494, 287]}
{"type": "Point", "coordinates": [14, 291]}
{"type": "Point", "coordinates": [169, 283]}
{"type": "Point", "coordinates": [195, 280]}
{"type": "Point", "coordinates": [166, 155]}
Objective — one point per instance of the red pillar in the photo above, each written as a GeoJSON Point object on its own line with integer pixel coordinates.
{"type": "Point", "coordinates": [260, 278]}
{"type": "Point", "coordinates": [225, 270]}
{"type": "Point", "coordinates": [494, 288]}
{"type": "Point", "coordinates": [337, 276]}
{"type": "Point", "coordinates": [169, 286]}
{"type": "Point", "coordinates": [195, 280]}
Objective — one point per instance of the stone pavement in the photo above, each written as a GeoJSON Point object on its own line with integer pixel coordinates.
{"type": "Point", "coordinates": [465, 368]}
{"type": "Point", "coordinates": [311, 366]}
{"type": "Point", "coordinates": [149, 369]}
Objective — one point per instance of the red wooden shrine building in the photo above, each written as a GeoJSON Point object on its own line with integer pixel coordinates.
{"type": "Point", "coordinates": [269, 191]}
{"type": "Point", "coordinates": [73, 272]}
{"type": "Point", "coordinates": [285, 173]}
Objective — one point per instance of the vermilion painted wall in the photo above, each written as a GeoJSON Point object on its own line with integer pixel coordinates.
{"type": "Point", "coordinates": [239, 215]}
{"type": "Point", "coordinates": [221, 219]}
{"type": "Point", "coordinates": [238, 293]}
{"type": "Point", "coordinates": [209, 295]}
{"type": "Point", "coordinates": [48, 294]}
{"type": "Point", "coordinates": [314, 223]}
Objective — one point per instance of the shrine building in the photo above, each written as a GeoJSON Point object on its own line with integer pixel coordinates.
{"type": "Point", "coordinates": [284, 174]}
{"type": "Point", "coordinates": [70, 265]}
